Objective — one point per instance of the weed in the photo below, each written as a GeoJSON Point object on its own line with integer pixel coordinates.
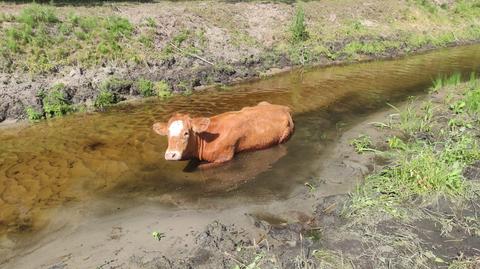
{"type": "Point", "coordinates": [104, 99]}
{"type": "Point", "coordinates": [150, 22]}
{"type": "Point", "coordinates": [330, 259]}
{"type": "Point", "coordinates": [396, 143]}
{"type": "Point", "coordinates": [472, 100]}
{"type": "Point", "coordinates": [428, 5]}
{"type": "Point", "coordinates": [162, 89]}
{"type": "Point", "coordinates": [55, 102]}
{"type": "Point", "coordinates": [158, 236]}
{"type": "Point", "coordinates": [145, 87]}
{"type": "Point", "coordinates": [411, 121]}
{"type": "Point", "coordinates": [33, 115]}
{"type": "Point", "coordinates": [443, 81]}
{"type": "Point", "coordinates": [116, 84]}
{"type": "Point", "coordinates": [299, 29]}
{"type": "Point", "coordinates": [362, 144]}
{"type": "Point", "coordinates": [458, 107]}
{"type": "Point", "coordinates": [36, 14]}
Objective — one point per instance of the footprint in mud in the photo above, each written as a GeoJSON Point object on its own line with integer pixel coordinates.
{"type": "Point", "coordinates": [116, 233]}
{"type": "Point", "coordinates": [356, 167]}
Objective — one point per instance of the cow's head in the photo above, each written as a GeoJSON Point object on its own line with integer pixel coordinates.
{"type": "Point", "coordinates": [181, 130]}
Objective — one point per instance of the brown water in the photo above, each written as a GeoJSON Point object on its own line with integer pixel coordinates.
{"type": "Point", "coordinates": [115, 155]}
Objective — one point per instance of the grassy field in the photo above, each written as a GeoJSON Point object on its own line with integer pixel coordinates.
{"type": "Point", "coordinates": [181, 46]}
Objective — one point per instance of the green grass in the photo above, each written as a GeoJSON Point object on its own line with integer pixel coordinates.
{"type": "Point", "coordinates": [31, 42]}
{"type": "Point", "coordinates": [55, 102]}
{"type": "Point", "coordinates": [423, 170]}
{"type": "Point", "coordinates": [412, 119]}
{"type": "Point", "coordinates": [362, 144]}
{"type": "Point", "coordinates": [145, 87]}
{"type": "Point", "coordinates": [162, 89]}
{"type": "Point", "coordinates": [33, 114]}
{"type": "Point", "coordinates": [299, 29]}
{"type": "Point", "coordinates": [104, 99]}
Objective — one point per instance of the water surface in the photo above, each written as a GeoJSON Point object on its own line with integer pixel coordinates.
{"type": "Point", "coordinates": [115, 155]}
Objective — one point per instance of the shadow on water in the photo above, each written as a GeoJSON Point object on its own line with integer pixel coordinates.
{"type": "Point", "coordinates": [115, 155]}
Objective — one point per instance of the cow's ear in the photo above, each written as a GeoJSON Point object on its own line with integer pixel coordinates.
{"type": "Point", "coordinates": [200, 125]}
{"type": "Point", "coordinates": [160, 128]}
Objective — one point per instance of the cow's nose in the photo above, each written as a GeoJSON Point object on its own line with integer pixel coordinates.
{"type": "Point", "coordinates": [172, 156]}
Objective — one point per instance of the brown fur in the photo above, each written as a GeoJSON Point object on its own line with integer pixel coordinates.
{"type": "Point", "coordinates": [218, 138]}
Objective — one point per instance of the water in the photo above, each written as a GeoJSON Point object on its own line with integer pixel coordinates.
{"type": "Point", "coordinates": [115, 155]}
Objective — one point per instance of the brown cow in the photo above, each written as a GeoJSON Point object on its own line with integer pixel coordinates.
{"type": "Point", "coordinates": [218, 138]}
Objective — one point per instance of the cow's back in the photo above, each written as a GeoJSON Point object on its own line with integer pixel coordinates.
{"type": "Point", "coordinates": [251, 128]}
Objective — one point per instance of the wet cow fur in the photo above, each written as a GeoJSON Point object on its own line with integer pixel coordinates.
{"type": "Point", "coordinates": [217, 139]}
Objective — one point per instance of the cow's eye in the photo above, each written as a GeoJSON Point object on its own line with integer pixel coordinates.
{"type": "Point", "coordinates": [185, 134]}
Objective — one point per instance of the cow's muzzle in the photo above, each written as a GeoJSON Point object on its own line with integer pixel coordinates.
{"type": "Point", "coordinates": [173, 155]}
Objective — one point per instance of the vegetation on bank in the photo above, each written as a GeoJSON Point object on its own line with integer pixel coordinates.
{"type": "Point", "coordinates": [51, 40]}
{"type": "Point", "coordinates": [29, 41]}
{"type": "Point", "coordinates": [438, 142]}
{"type": "Point", "coordinates": [428, 164]}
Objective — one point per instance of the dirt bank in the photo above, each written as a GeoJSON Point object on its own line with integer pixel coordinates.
{"type": "Point", "coordinates": [112, 52]}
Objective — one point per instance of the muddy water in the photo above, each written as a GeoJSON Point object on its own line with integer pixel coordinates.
{"type": "Point", "coordinates": [115, 155]}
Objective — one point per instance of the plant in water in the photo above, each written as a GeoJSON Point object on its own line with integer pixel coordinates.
{"type": "Point", "coordinates": [298, 28]}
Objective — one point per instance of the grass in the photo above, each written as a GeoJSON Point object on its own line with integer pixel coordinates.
{"type": "Point", "coordinates": [299, 29]}
{"type": "Point", "coordinates": [104, 99]}
{"type": "Point", "coordinates": [33, 114]}
{"type": "Point", "coordinates": [424, 169]}
{"type": "Point", "coordinates": [162, 89]}
{"type": "Point", "coordinates": [30, 43]}
{"type": "Point", "coordinates": [145, 87]}
{"type": "Point", "coordinates": [55, 103]}
{"type": "Point", "coordinates": [362, 144]}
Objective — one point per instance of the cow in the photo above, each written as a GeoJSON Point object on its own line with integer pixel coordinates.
{"type": "Point", "coordinates": [215, 140]}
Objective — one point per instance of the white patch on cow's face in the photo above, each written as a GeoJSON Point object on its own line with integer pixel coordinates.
{"type": "Point", "coordinates": [175, 128]}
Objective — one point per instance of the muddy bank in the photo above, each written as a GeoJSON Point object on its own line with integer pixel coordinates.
{"type": "Point", "coordinates": [190, 45]}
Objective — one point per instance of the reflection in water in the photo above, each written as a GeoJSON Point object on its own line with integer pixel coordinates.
{"type": "Point", "coordinates": [116, 154]}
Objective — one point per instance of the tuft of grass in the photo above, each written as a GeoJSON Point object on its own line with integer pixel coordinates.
{"type": "Point", "coordinates": [162, 89]}
{"type": "Point", "coordinates": [55, 102]}
{"type": "Point", "coordinates": [33, 115]}
{"type": "Point", "coordinates": [396, 143]}
{"type": "Point", "coordinates": [443, 81]}
{"type": "Point", "coordinates": [146, 87]}
{"type": "Point", "coordinates": [362, 144]}
{"type": "Point", "coordinates": [299, 29]}
{"type": "Point", "coordinates": [35, 15]}
{"type": "Point", "coordinates": [104, 99]}
{"type": "Point", "coordinates": [413, 120]}
{"type": "Point", "coordinates": [472, 100]}
{"type": "Point", "coordinates": [116, 85]}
